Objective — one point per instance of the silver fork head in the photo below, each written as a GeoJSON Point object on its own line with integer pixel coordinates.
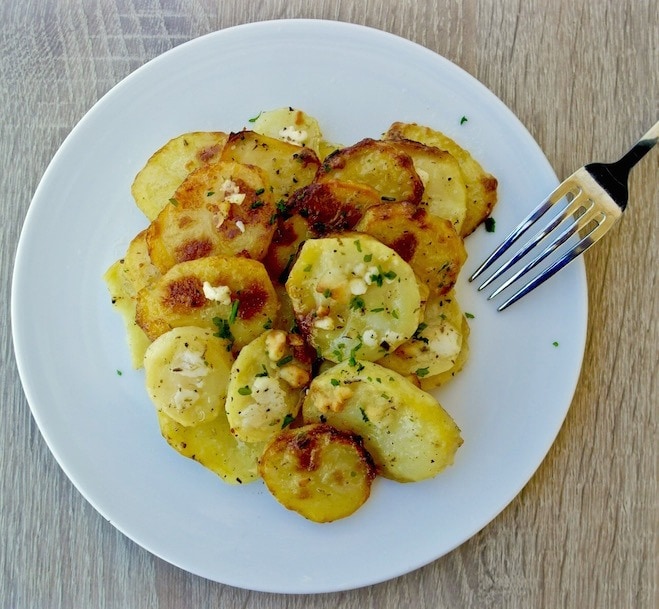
{"type": "Point", "coordinates": [588, 214]}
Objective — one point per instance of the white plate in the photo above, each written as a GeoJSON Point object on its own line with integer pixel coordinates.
{"type": "Point", "coordinates": [510, 401]}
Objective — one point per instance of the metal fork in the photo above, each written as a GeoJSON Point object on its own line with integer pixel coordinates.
{"type": "Point", "coordinates": [595, 198]}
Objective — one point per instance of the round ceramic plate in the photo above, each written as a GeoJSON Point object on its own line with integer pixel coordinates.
{"type": "Point", "coordinates": [91, 407]}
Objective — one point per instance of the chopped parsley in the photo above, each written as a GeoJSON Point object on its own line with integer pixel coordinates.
{"type": "Point", "coordinates": [174, 202]}
{"type": "Point", "coordinates": [335, 382]}
{"type": "Point", "coordinates": [357, 303]}
{"type": "Point", "coordinates": [470, 316]}
{"type": "Point", "coordinates": [358, 245]}
{"type": "Point", "coordinates": [119, 372]}
{"type": "Point", "coordinates": [463, 120]}
{"type": "Point", "coordinates": [234, 310]}
{"type": "Point", "coordinates": [421, 372]}
{"type": "Point", "coordinates": [364, 415]}
{"type": "Point", "coordinates": [264, 373]}
{"type": "Point", "coordinates": [284, 360]}
{"type": "Point", "coordinates": [223, 331]}
{"type": "Point", "coordinates": [555, 343]}
{"type": "Point", "coordinates": [245, 390]}
{"type": "Point", "coordinates": [255, 118]}
{"type": "Point", "coordinates": [490, 224]}
{"type": "Point", "coordinates": [288, 419]}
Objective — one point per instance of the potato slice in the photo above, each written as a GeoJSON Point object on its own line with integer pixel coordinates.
{"type": "Point", "coordinates": [332, 206]}
{"type": "Point", "coordinates": [408, 434]}
{"type": "Point", "coordinates": [287, 166]}
{"type": "Point", "coordinates": [290, 233]}
{"type": "Point", "coordinates": [437, 343]}
{"type": "Point", "coordinates": [139, 269]}
{"type": "Point", "coordinates": [187, 374]}
{"type": "Point", "coordinates": [428, 383]}
{"type": "Point", "coordinates": [220, 209]}
{"type": "Point", "coordinates": [429, 244]}
{"type": "Point", "coordinates": [233, 296]}
{"type": "Point", "coordinates": [317, 471]}
{"type": "Point", "coordinates": [212, 444]}
{"type": "Point", "coordinates": [157, 181]}
{"type": "Point", "coordinates": [123, 300]}
{"type": "Point", "coordinates": [444, 190]}
{"type": "Point", "coordinates": [290, 125]}
{"type": "Point", "coordinates": [376, 164]}
{"type": "Point", "coordinates": [353, 297]}
{"type": "Point", "coordinates": [481, 186]}
{"type": "Point", "coordinates": [266, 385]}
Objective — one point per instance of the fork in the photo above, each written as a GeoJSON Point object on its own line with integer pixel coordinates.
{"type": "Point", "coordinates": [596, 196]}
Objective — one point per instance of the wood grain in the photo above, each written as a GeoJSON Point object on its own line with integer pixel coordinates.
{"type": "Point", "coordinates": [583, 77]}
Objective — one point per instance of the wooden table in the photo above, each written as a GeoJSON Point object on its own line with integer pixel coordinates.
{"type": "Point", "coordinates": [584, 79]}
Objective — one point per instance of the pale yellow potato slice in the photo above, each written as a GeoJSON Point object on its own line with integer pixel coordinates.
{"type": "Point", "coordinates": [481, 186]}
{"type": "Point", "coordinates": [353, 297]}
{"type": "Point", "coordinates": [287, 166]}
{"type": "Point", "coordinates": [444, 191]}
{"type": "Point", "coordinates": [437, 343]}
{"type": "Point", "coordinates": [157, 181]}
{"type": "Point", "coordinates": [212, 444]}
{"type": "Point", "coordinates": [123, 300]}
{"type": "Point", "coordinates": [187, 374]}
{"type": "Point", "coordinates": [266, 385]}
{"type": "Point", "coordinates": [406, 431]}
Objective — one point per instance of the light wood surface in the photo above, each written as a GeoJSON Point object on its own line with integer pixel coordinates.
{"type": "Point", "coordinates": [583, 77]}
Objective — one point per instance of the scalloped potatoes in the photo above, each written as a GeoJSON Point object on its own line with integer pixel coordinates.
{"type": "Point", "coordinates": [292, 303]}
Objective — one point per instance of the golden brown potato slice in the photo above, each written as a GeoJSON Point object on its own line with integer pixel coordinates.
{"type": "Point", "coordinates": [408, 434]}
{"type": "Point", "coordinates": [481, 186]}
{"type": "Point", "coordinates": [376, 164]}
{"type": "Point", "coordinates": [317, 471]}
{"type": "Point", "coordinates": [315, 211]}
{"type": "Point", "coordinates": [429, 244]}
{"type": "Point", "coordinates": [435, 346]}
{"type": "Point", "coordinates": [444, 190]}
{"type": "Point", "coordinates": [290, 233]}
{"type": "Point", "coordinates": [332, 206]}
{"type": "Point", "coordinates": [212, 444]}
{"type": "Point", "coordinates": [157, 181]}
{"type": "Point", "coordinates": [220, 209]}
{"type": "Point", "coordinates": [233, 296]}
{"type": "Point", "coordinates": [287, 166]}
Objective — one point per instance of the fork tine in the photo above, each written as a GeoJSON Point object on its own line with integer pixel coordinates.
{"type": "Point", "coordinates": [572, 207]}
{"type": "Point", "coordinates": [577, 225]}
{"type": "Point", "coordinates": [584, 244]}
{"type": "Point", "coordinates": [561, 190]}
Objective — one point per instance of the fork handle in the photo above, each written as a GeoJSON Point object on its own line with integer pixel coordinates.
{"type": "Point", "coordinates": [639, 150]}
